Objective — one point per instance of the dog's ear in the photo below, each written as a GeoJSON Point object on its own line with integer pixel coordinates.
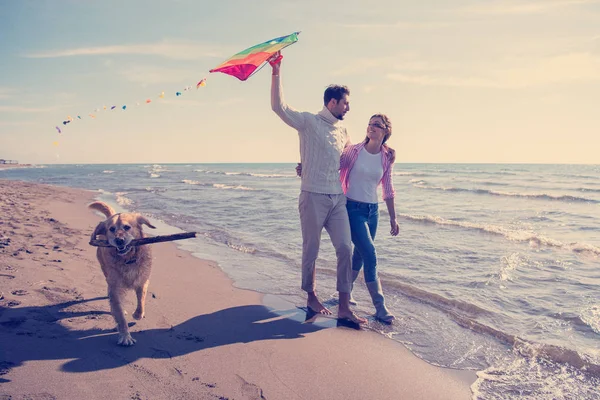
{"type": "Point", "coordinates": [100, 230]}
{"type": "Point", "coordinates": [143, 220]}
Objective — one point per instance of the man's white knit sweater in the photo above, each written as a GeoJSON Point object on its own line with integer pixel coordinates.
{"type": "Point", "coordinates": [322, 140]}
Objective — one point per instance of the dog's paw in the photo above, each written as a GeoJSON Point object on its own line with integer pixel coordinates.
{"type": "Point", "coordinates": [125, 339]}
{"type": "Point", "coordinates": [138, 314]}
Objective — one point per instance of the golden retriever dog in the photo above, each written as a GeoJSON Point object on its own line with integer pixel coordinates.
{"type": "Point", "coordinates": [124, 266]}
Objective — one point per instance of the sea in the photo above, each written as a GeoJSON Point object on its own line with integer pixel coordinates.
{"type": "Point", "coordinates": [496, 268]}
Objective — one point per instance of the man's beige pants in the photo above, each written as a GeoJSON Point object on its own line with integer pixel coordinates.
{"type": "Point", "coordinates": [318, 211]}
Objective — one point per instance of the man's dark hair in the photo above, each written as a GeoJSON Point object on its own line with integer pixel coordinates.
{"type": "Point", "coordinates": [335, 92]}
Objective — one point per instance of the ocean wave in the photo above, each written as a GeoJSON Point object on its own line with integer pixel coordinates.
{"type": "Point", "coordinates": [217, 185]}
{"type": "Point", "coordinates": [223, 237]}
{"type": "Point", "coordinates": [578, 176]}
{"type": "Point", "coordinates": [517, 377]}
{"type": "Point", "coordinates": [512, 235]}
{"type": "Point", "coordinates": [251, 174]}
{"type": "Point", "coordinates": [590, 316]}
{"type": "Point", "coordinates": [107, 171]}
{"type": "Point", "coordinates": [476, 172]}
{"type": "Point", "coordinates": [230, 187]}
{"type": "Point", "coordinates": [207, 171]}
{"type": "Point", "coordinates": [539, 196]}
{"type": "Point", "coordinates": [586, 189]}
{"type": "Point", "coordinates": [465, 314]}
{"type": "Point", "coordinates": [122, 200]}
{"type": "Point", "coordinates": [588, 319]}
{"type": "Point", "coordinates": [433, 299]}
{"type": "Point", "coordinates": [191, 182]}
{"type": "Point", "coordinates": [407, 173]}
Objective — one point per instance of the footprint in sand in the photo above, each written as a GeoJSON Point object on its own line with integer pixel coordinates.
{"type": "Point", "coordinates": [189, 336]}
{"type": "Point", "coordinates": [10, 303]}
{"type": "Point", "coordinates": [19, 292]}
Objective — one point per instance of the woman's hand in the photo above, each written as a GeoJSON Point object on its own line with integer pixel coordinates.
{"type": "Point", "coordinates": [395, 227]}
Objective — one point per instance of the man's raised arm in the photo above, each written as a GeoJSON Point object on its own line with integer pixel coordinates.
{"type": "Point", "coordinates": [293, 118]}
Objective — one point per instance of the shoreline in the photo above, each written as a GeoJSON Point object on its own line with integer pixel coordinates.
{"type": "Point", "coordinates": [202, 336]}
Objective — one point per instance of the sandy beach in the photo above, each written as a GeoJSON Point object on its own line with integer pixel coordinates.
{"type": "Point", "coordinates": [202, 338]}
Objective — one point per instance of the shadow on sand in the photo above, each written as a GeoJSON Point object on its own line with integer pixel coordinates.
{"type": "Point", "coordinates": [31, 333]}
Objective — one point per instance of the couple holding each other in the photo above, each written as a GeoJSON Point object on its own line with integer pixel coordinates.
{"type": "Point", "coordinates": [339, 193]}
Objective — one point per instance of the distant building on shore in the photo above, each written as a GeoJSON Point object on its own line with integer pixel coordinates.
{"type": "Point", "coordinates": [8, 161]}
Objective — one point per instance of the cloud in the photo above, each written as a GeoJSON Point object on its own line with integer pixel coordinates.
{"type": "Point", "coordinates": [179, 50]}
{"type": "Point", "coordinates": [429, 80]}
{"type": "Point", "coordinates": [33, 110]}
{"type": "Point", "coordinates": [568, 68]}
{"type": "Point", "coordinates": [228, 102]}
{"type": "Point", "coordinates": [523, 8]}
{"type": "Point", "coordinates": [184, 102]}
{"type": "Point", "coordinates": [17, 123]}
{"type": "Point", "coordinates": [368, 65]}
{"type": "Point", "coordinates": [5, 92]}
{"type": "Point", "coordinates": [149, 75]}
{"type": "Point", "coordinates": [400, 25]}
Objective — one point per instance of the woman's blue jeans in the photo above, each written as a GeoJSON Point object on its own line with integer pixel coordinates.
{"type": "Point", "coordinates": [364, 218]}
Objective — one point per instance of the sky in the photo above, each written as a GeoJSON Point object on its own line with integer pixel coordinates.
{"type": "Point", "coordinates": [463, 81]}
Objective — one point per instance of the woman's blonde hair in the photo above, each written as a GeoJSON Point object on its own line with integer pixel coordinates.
{"type": "Point", "coordinates": [388, 126]}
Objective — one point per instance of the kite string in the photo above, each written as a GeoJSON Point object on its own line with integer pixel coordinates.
{"type": "Point", "coordinates": [257, 69]}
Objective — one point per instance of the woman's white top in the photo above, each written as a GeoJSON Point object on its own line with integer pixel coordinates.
{"type": "Point", "coordinates": [365, 177]}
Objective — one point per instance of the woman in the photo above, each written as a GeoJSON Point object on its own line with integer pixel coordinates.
{"type": "Point", "coordinates": [363, 167]}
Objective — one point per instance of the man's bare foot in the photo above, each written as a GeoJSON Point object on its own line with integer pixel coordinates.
{"type": "Point", "coordinates": [314, 304]}
{"type": "Point", "coordinates": [352, 317]}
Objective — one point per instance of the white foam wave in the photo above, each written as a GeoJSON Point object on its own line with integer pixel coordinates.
{"type": "Point", "coordinates": [254, 175]}
{"type": "Point", "coordinates": [540, 196]}
{"type": "Point", "coordinates": [230, 187]}
{"type": "Point", "coordinates": [241, 248]}
{"type": "Point", "coordinates": [207, 171]}
{"type": "Point", "coordinates": [152, 175]}
{"type": "Point", "coordinates": [591, 317]}
{"type": "Point", "coordinates": [191, 182]}
{"type": "Point", "coordinates": [406, 173]}
{"type": "Point", "coordinates": [511, 234]}
{"type": "Point", "coordinates": [509, 264]}
{"type": "Point", "coordinates": [107, 171]}
{"type": "Point", "coordinates": [122, 200]}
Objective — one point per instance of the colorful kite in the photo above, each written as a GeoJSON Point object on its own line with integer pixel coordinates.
{"type": "Point", "coordinates": [201, 83]}
{"type": "Point", "coordinates": [58, 129]}
{"type": "Point", "coordinates": [243, 64]}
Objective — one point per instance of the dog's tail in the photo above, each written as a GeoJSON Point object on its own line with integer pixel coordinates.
{"type": "Point", "coordinates": [103, 208]}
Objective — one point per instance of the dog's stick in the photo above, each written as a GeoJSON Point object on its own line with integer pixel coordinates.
{"type": "Point", "coordinates": [148, 240]}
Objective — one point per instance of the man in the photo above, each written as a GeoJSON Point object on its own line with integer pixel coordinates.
{"type": "Point", "coordinates": [322, 203]}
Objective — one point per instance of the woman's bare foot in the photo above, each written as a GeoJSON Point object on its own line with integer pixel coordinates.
{"type": "Point", "coordinates": [314, 304]}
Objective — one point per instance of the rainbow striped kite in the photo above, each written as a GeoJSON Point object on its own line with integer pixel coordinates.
{"type": "Point", "coordinates": [243, 64]}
